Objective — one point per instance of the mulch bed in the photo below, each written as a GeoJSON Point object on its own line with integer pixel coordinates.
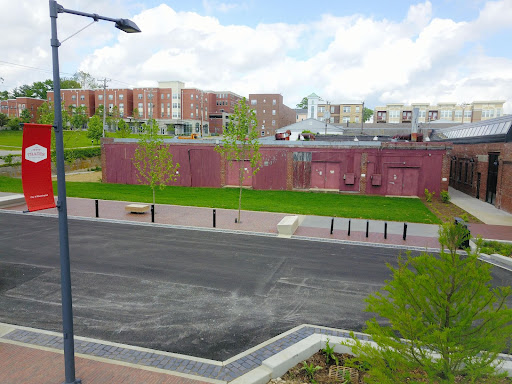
{"type": "Point", "coordinates": [326, 375]}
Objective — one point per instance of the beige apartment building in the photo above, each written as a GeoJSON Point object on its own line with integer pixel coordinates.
{"type": "Point", "coordinates": [342, 113]}
{"type": "Point", "coordinates": [448, 111]}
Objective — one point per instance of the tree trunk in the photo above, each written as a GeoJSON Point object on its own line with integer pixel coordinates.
{"type": "Point", "coordinates": [241, 180]}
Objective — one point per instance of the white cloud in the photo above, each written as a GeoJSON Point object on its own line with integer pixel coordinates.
{"type": "Point", "coordinates": [355, 57]}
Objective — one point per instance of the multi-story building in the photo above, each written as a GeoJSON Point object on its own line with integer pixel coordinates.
{"type": "Point", "coordinates": [271, 112]}
{"type": "Point", "coordinates": [76, 98]}
{"type": "Point", "coordinates": [334, 113]}
{"type": "Point", "coordinates": [221, 106]}
{"type": "Point", "coordinates": [450, 111]}
{"type": "Point", "coordinates": [14, 107]}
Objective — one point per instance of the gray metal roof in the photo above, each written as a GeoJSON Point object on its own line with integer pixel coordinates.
{"type": "Point", "coordinates": [492, 130]}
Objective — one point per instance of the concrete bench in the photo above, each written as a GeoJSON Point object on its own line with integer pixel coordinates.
{"type": "Point", "coordinates": [137, 208]}
{"type": "Point", "coordinates": [287, 226]}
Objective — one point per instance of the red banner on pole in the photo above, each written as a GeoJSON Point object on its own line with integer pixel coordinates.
{"type": "Point", "coordinates": [36, 167]}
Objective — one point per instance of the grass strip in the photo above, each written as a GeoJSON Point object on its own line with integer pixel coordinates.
{"type": "Point", "coordinates": [303, 203]}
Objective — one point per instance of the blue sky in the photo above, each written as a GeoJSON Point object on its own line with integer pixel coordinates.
{"type": "Point", "coordinates": [377, 51]}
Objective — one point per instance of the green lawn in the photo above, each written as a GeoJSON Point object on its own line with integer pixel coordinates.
{"type": "Point", "coordinates": [322, 204]}
{"type": "Point", "coordinates": [12, 140]}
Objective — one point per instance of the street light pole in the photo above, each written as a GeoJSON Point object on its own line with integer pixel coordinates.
{"type": "Point", "coordinates": [65, 270]}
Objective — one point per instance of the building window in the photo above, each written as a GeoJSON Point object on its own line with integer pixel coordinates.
{"type": "Point", "coordinates": [168, 96]}
{"type": "Point", "coordinates": [121, 96]}
{"type": "Point", "coordinates": [467, 114]}
{"type": "Point", "coordinates": [254, 102]}
{"type": "Point", "coordinates": [488, 113]}
{"type": "Point", "coordinates": [498, 112]}
{"type": "Point", "coordinates": [262, 133]}
{"type": "Point", "coordinates": [346, 119]}
{"type": "Point", "coordinates": [111, 97]}
{"type": "Point", "coordinates": [347, 110]}
{"type": "Point", "coordinates": [121, 110]}
{"type": "Point", "coordinates": [273, 122]}
{"type": "Point", "coordinates": [73, 97]}
{"type": "Point", "coordinates": [140, 96]}
{"type": "Point", "coordinates": [357, 119]}
{"type": "Point", "coordinates": [82, 97]}
{"type": "Point", "coordinates": [332, 109]}
{"type": "Point", "coordinates": [191, 97]}
{"type": "Point", "coordinates": [394, 114]}
{"type": "Point", "coordinates": [274, 102]}
{"type": "Point", "coordinates": [100, 97]}
{"type": "Point", "coordinates": [357, 109]}
{"type": "Point", "coordinates": [321, 109]}
{"type": "Point", "coordinates": [191, 115]}
{"type": "Point", "coordinates": [446, 114]}
{"type": "Point", "coordinates": [423, 113]}
{"type": "Point", "coordinates": [162, 96]}
{"type": "Point", "coordinates": [273, 112]}
{"type": "Point", "coordinates": [458, 114]}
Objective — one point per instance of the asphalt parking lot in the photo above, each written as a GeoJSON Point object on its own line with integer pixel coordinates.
{"type": "Point", "coordinates": [199, 293]}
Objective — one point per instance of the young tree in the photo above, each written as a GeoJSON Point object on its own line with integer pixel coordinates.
{"type": "Point", "coordinates": [79, 117]}
{"type": "Point", "coordinates": [46, 113]}
{"type": "Point", "coordinates": [442, 305]}
{"type": "Point", "coordinates": [153, 160]}
{"type": "Point", "coordinates": [95, 128]}
{"type": "Point", "coordinates": [25, 116]}
{"type": "Point", "coordinates": [124, 128]}
{"type": "Point", "coordinates": [367, 113]}
{"type": "Point", "coordinates": [240, 143]}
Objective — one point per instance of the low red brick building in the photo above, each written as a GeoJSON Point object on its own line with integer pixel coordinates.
{"type": "Point", "coordinates": [481, 159]}
{"type": "Point", "coordinates": [399, 169]}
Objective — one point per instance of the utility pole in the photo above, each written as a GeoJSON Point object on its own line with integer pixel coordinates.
{"type": "Point", "coordinates": [201, 113]}
{"type": "Point", "coordinates": [362, 118]}
{"type": "Point", "coordinates": [104, 103]}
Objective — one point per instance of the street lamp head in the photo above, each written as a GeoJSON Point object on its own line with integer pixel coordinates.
{"type": "Point", "coordinates": [127, 26]}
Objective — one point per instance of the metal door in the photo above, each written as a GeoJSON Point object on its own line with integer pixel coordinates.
{"type": "Point", "coordinates": [394, 182]}
{"type": "Point", "coordinates": [492, 178]}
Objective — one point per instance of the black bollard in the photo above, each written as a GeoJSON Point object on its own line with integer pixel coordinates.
{"type": "Point", "coordinates": [367, 227]}
{"type": "Point", "coordinates": [97, 209]}
{"type": "Point", "coordinates": [349, 227]}
{"type": "Point", "coordinates": [152, 213]}
{"type": "Point", "coordinates": [332, 225]}
{"type": "Point", "coordinates": [405, 231]}
{"type": "Point", "coordinates": [385, 230]}
{"type": "Point", "coordinates": [236, 220]}
{"type": "Point", "coordinates": [214, 213]}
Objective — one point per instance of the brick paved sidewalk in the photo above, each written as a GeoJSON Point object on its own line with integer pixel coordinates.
{"type": "Point", "coordinates": [23, 364]}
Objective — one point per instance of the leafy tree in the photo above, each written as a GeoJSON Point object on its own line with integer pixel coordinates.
{"type": "Point", "coordinates": [46, 113]}
{"type": "Point", "coordinates": [3, 119]}
{"type": "Point", "coordinates": [14, 124]}
{"type": "Point", "coordinates": [124, 128]}
{"type": "Point", "coordinates": [69, 84]}
{"type": "Point", "coordinates": [240, 143]}
{"type": "Point", "coordinates": [95, 128]}
{"type": "Point", "coordinates": [153, 160]}
{"type": "Point", "coordinates": [79, 117]}
{"type": "Point", "coordinates": [85, 80]}
{"type": "Point", "coordinates": [303, 104]}
{"type": "Point", "coordinates": [4, 95]}
{"type": "Point", "coordinates": [441, 305]}
{"type": "Point", "coordinates": [367, 114]}
{"type": "Point", "coordinates": [25, 116]}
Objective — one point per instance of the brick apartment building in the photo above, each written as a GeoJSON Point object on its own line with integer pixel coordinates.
{"type": "Point", "coordinates": [459, 113]}
{"type": "Point", "coordinates": [14, 107]}
{"type": "Point", "coordinates": [176, 108]}
{"type": "Point", "coordinates": [76, 98]}
{"type": "Point", "coordinates": [271, 112]}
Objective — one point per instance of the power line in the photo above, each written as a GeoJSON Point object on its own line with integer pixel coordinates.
{"type": "Point", "coordinates": [50, 71]}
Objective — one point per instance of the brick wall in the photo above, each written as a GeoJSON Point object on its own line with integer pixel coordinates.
{"type": "Point", "coordinates": [476, 156]}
